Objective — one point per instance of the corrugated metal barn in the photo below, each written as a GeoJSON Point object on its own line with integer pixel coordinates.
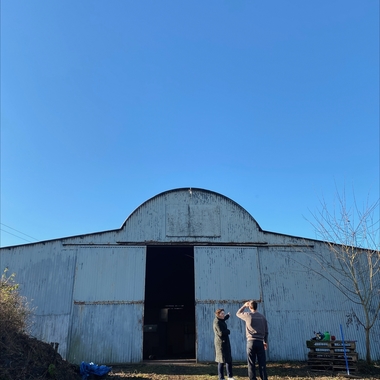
{"type": "Point", "coordinates": [151, 287]}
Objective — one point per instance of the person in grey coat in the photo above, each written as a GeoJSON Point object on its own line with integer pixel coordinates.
{"type": "Point", "coordinates": [222, 344]}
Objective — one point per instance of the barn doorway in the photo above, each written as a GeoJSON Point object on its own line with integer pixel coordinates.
{"type": "Point", "coordinates": [169, 312]}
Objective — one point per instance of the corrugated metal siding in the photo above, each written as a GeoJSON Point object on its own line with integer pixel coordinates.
{"type": "Point", "coordinates": [111, 292]}
{"type": "Point", "coordinates": [107, 321]}
{"type": "Point", "coordinates": [204, 317]}
{"type": "Point", "coordinates": [224, 278]}
{"type": "Point", "coordinates": [352, 330]}
{"type": "Point", "coordinates": [110, 274]}
{"type": "Point", "coordinates": [53, 328]}
{"type": "Point", "coordinates": [289, 330]}
{"type": "Point", "coordinates": [46, 277]}
{"type": "Point", "coordinates": [226, 273]}
{"type": "Point", "coordinates": [288, 285]}
{"type": "Point", "coordinates": [297, 302]}
{"type": "Point", "coordinates": [152, 221]}
{"type": "Point", "coordinates": [110, 334]}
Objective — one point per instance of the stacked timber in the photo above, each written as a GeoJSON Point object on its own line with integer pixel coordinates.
{"type": "Point", "coordinates": [332, 355]}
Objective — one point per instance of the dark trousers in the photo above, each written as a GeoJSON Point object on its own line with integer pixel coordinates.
{"type": "Point", "coordinates": [255, 348]}
{"type": "Point", "coordinates": [221, 370]}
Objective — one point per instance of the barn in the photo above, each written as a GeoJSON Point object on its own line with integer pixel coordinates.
{"type": "Point", "coordinates": [150, 288]}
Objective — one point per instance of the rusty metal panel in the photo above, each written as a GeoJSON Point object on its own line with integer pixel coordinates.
{"type": "Point", "coordinates": [110, 274]}
{"type": "Point", "coordinates": [106, 334]}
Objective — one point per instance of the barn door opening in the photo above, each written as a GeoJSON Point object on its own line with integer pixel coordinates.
{"type": "Point", "coordinates": [169, 312]}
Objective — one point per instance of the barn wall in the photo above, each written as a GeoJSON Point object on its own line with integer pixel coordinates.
{"type": "Point", "coordinates": [182, 216]}
{"type": "Point", "coordinates": [196, 216]}
{"type": "Point", "coordinates": [52, 328]}
{"type": "Point", "coordinates": [205, 314]}
{"type": "Point", "coordinates": [106, 333]}
{"type": "Point", "coordinates": [298, 302]}
{"type": "Point", "coordinates": [107, 320]}
{"type": "Point", "coordinates": [88, 299]}
{"type": "Point", "coordinates": [225, 277]}
{"type": "Point", "coordinates": [89, 292]}
{"type": "Point", "coordinates": [45, 273]}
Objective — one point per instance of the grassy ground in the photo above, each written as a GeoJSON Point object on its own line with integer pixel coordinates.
{"type": "Point", "coordinates": [208, 371]}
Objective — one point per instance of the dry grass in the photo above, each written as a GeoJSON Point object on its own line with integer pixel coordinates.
{"type": "Point", "coordinates": [208, 371]}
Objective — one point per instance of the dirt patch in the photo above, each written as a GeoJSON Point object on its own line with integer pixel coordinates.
{"type": "Point", "coordinates": [26, 358]}
{"type": "Point", "coordinates": [162, 370]}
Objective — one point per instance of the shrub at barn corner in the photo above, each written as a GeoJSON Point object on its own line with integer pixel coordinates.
{"type": "Point", "coordinates": [14, 309]}
{"type": "Point", "coordinates": [21, 356]}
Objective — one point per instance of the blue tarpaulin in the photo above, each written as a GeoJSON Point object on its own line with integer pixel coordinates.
{"type": "Point", "coordinates": [87, 369]}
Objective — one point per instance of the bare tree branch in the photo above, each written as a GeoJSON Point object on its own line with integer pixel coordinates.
{"type": "Point", "coordinates": [352, 259]}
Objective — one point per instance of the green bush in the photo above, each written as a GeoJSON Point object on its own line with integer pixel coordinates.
{"type": "Point", "coordinates": [14, 310]}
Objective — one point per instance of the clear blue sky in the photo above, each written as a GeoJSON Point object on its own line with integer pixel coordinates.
{"type": "Point", "coordinates": [105, 104]}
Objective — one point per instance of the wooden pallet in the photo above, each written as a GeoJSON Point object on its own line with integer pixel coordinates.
{"type": "Point", "coordinates": [331, 345]}
{"type": "Point", "coordinates": [351, 356]}
{"type": "Point", "coordinates": [331, 355]}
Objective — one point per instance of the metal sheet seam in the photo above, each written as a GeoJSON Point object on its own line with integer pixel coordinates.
{"type": "Point", "coordinates": [197, 301]}
{"type": "Point", "coordinates": [108, 302]}
{"type": "Point", "coordinates": [179, 243]}
{"type": "Point", "coordinates": [260, 276]}
{"type": "Point", "coordinates": [261, 288]}
{"type": "Point", "coordinates": [70, 328]}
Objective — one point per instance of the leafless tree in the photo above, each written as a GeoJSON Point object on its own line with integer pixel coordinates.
{"type": "Point", "coordinates": [352, 235]}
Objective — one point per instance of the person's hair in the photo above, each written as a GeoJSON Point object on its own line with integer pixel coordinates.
{"type": "Point", "coordinates": [218, 311]}
{"type": "Point", "coordinates": [253, 305]}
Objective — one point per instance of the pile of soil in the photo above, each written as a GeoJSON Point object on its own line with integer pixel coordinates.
{"type": "Point", "coordinates": [26, 358]}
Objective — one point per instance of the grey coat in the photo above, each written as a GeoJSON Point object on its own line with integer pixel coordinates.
{"type": "Point", "coordinates": [222, 341]}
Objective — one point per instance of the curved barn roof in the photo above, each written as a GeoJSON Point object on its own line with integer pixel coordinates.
{"type": "Point", "coordinates": [190, 214]}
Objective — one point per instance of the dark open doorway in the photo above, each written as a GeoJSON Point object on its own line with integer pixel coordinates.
{"type": "Point", "coordinates": [169, 315]}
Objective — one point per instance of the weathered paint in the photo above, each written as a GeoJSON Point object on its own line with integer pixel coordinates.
{"type": "Point", "coordinates": [109, 334]}
{"type": "Point", "coordinates": [41, 271]}
{"type": "Point", "coordinates": [226, 273]}
{"type": "Point", "coordinates": [190, 216]}
{"type": "Point", "coordinates": [297, 302]}
{"type": "Point", "coordinates": [110, 274]}
{"type": "Point", "coordinates": [46, 277]}
{"type": "Point", "coordinates": [225, 277]}
{"type": "Point", "coordinates": [52, 328]}
{"type": "Point", "coordinates": [108, 308]}
{"type": "Point", "coordinates": [205, 314]}
{"type": "Point", "coordinates": [83, 285]}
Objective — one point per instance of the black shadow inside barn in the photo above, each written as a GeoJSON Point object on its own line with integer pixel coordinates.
{"type": "Point", "coordinates": [169, 313]}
